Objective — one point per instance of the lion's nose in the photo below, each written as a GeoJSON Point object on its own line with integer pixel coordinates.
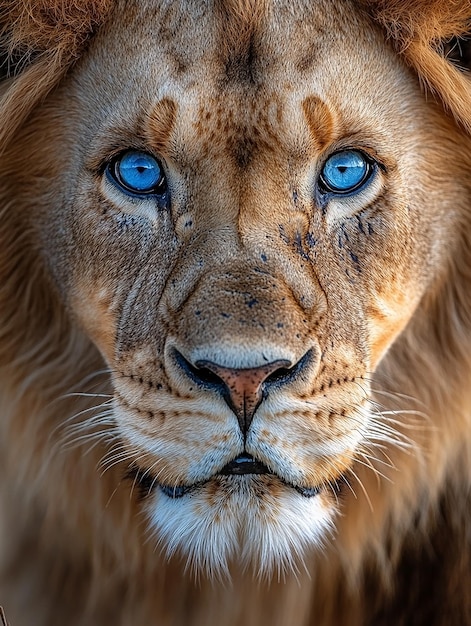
{"type": "Point", "coordinates": [243, 389]}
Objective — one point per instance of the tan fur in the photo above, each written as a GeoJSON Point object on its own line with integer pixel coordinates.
{"type": "Point", "coordinates": [241, 102]}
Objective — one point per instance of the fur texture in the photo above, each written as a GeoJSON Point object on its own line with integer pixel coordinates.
{"type": "Point", "coordinates": [127, 319]}
{"type": "Point", "coordinates": [419, 29]}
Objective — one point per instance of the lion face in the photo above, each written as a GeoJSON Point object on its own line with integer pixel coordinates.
{"type": "Point", "coordinates": [248, 221]}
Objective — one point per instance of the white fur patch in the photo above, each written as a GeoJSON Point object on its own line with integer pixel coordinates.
{"type": "Point", "coordinates": [255, 520]}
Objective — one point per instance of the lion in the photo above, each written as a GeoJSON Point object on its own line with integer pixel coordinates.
{"type": "Point", "coordinates": [235, 315]}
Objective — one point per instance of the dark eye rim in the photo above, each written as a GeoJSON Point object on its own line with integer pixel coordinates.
{"type": "Point", "coordinates": [371, 168]}
{"type": "Point", "coordinates": [112, 172]}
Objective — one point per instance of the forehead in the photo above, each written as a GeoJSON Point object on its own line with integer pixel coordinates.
{"type": "Point", "coordinates": [157, 48]}
{"type": "Point", "coordinates": [237, 78]}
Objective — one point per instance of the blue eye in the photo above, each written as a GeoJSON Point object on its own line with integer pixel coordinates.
{"type": "Point", "coordinates": [138, 173]}
{"type": "Point", "coordinates": [345, 171]}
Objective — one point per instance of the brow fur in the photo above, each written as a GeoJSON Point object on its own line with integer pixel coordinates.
{"type": "Point", "coordinates": [49, 35]}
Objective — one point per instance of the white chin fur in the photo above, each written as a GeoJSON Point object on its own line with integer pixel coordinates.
{"type": "Point", "coordinates": [256, 521]}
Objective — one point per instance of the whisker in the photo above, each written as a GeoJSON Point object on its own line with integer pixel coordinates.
{"type": "Point", "coordinates": [362, 487]}
{"type": "Point", "coordinates": [83, 394]}
{"type": "Point", "coordinates": [113, 458]}
{"type": "Point", "coordinates": [67, 422]}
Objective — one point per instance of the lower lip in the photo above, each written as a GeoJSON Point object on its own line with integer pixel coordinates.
{"type": "Point", "coordinates": [180, 491]}
{"type": "Point", "coordinates": [176, 492]}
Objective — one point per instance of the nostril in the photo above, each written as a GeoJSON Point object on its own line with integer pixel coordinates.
{"type": "Point", "coordinates": [279, 376]}
{"type": "Point", "coordinates": [200, 375]}
{"type": "Point", "coordinates": [206, 376]}
{"type": "Point", "coordinates": [284, 375]}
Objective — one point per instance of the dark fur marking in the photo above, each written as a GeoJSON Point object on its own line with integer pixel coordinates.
{"type": "Point", "coordinates": [240, 65]}
{"type": "Point", "coordinates": [360, 225]}
{"type": "Point", "coordinates": [243, 152]}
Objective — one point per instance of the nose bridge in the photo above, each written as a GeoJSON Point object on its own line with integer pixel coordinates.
{"type": "Point", "coordinates": [242, 316]}
{"type": "Point", "coordinates": [243, 292]}
{"type": "Point", "coordinates": [241, 170]}
{"type": "Point", "coordinates": [239, 280]}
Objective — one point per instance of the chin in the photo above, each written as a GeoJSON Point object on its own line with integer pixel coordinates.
{"type": "Point", "coordinates": [257, 522]}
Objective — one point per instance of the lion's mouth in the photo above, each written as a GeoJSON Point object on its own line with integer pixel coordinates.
{"type": "Point", "coordinates": [246, 464]}
{"type": "Point", "coordinates": [242, 465]}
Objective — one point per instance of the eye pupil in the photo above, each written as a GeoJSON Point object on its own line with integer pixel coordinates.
{"type": "Point", "coordinates": [138, 172]}
{"type": "Point", "coordinates": [345, 171]}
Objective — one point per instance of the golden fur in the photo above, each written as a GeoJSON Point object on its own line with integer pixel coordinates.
{"type": "Point", "coordinates": [103, 294]}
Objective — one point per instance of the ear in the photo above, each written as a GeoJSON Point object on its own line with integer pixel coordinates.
{"type": "Point", "coordinates": [433, 38]}
{"type": "Point", "coordinates": [39, 40]}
